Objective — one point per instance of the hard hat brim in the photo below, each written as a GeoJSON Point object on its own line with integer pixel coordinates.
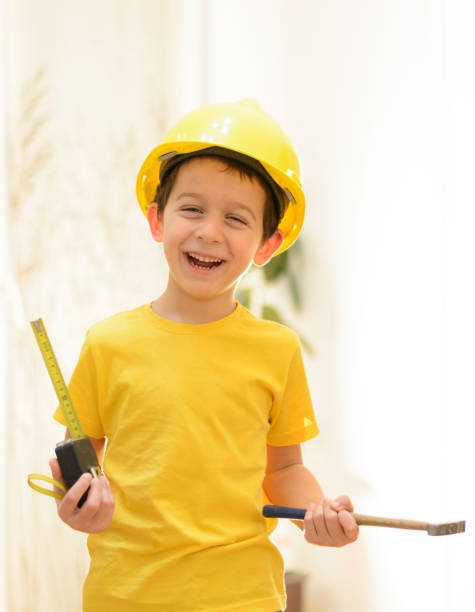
{"type": "Point", "coordinates": [148, 180]}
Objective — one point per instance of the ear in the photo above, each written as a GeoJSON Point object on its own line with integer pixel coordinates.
{"type": "Point", "coordinates": [155, 222]}
{"type": "Point", "coordinates": [268, 248]}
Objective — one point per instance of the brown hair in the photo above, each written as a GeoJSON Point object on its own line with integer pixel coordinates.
{"type": "Point", "coordinates": [270, 220]}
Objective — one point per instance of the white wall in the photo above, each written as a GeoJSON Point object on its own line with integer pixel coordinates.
{"type": "Point", "coordinates": [3, 317]}
{"type": "Point", "coordinates": [458, 416]}
{"type": "Point", "coordinates": [378, 98]}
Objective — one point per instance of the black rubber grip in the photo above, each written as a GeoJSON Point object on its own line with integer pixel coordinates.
{"type": "Point", "coordinates": [283, 512]}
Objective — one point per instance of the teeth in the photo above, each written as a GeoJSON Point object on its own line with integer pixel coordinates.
{"type": "Point", "coordinates": [205, 259]}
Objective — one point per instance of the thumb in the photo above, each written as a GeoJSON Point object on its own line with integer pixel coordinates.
{"type": "Point", "coordinates": [56, 472]}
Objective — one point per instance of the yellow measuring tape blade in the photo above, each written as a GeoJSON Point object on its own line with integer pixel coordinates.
{"type": "Point", "coordinates": [50, 492]}
{"type": "Point", "coordinates": [57, 379]}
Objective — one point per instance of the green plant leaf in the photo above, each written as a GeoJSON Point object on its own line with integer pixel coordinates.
{"type": "Point", "coordinates": [270, 313]}
{"type": "Point", "coordinates": [244, 297]}
{"type": "Point", "coordinates": [297, 251]}
{"type": "Point", "coordinates": [306, 345]}
{"type": "Point", "coordinates": [275, 267]}
{"type": "Point", "coordinates": [295, 291]}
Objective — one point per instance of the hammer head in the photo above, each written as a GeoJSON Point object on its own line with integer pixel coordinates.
{"type": "Point", "coordinates": [446, 528]}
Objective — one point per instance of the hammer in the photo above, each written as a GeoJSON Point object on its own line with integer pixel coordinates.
{"type": "Point", "coordinates": [373, 521]}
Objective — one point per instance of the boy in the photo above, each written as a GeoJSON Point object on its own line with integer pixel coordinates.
{"type": "Point", "coordinates": [203, 406]}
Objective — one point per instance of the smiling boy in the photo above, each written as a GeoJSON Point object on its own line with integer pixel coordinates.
{"type": "Point", "coordinates": [211, 229]}
{"type": "Point", "coordinates": [203, 405]}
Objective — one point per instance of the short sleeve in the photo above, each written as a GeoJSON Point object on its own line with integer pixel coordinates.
{"type": "Point", "coordinates": [84, 388]}
{"type": "Point", "coordinates": [292, 415]}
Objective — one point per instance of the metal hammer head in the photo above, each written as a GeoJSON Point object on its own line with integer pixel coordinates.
{"type": "Point", "coordinates": [446, 528]}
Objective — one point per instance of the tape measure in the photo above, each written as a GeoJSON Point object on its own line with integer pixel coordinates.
{"type": "Point", "coordinates": [76, 456]}
{"type": "Point", "coordinates": [57, 379]}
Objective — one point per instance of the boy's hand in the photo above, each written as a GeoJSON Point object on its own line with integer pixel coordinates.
{"type": "Point", "coordinates": [96, 513]}
{"type": "Point", "coordinates": [330, 523]}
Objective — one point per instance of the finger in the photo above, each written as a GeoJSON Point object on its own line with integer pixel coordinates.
{"type": "Point", "coordinates": [349, 525]}
{"type": "Point", "coordinates": [309, 525]}
{"type": "Point", "coordinates": [320, 525]}
{"type": "Point", "coordinates": [343, 502]}
{"type": "Point", "coordinates": [90, 508]}
{"type": "Point", "coordinates": [107, 495]}
{"type": "Point", "coordinates": [70, 501]}
{"type": "Point", "coordinates": [332, 524]}
{"type": "Point", "coordinates": [105, 511]}
{"type": "Point", "coordinates": [108, 505]}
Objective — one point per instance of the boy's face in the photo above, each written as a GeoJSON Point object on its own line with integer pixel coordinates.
{"type": "Point", "coordinates": [212, 229]}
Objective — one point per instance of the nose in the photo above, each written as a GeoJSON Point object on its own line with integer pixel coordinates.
{"type": "Point", "coordinates": [210, 230]}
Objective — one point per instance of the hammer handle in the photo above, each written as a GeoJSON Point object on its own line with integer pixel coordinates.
{"type": "Point", "coordinates": [379, 521]}
{"type": "Point", "coordinates": [361, 519]}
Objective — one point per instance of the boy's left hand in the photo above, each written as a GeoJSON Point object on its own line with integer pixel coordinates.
{"type": "Point", "coordinates": [330, 523]}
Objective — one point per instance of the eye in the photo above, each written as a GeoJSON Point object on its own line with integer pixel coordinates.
{"type": "Point", "coordinates": [191, 209]}
{"type": "Point", "coordinates": [238, 219]}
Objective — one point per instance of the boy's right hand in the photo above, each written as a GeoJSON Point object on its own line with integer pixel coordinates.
{"type": "Point", "coordinates": [96, 513]}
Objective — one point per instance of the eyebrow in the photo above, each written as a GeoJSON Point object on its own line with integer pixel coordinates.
{"type": "Point", "coordinates": [192, 194]}
{"type": "Point", "coordinates": [189, 194]}
{"type": "Point", "coordinates": [249, 210]}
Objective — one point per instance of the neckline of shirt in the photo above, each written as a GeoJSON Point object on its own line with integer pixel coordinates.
{"type": "Point", "coordinates": [194, 328]}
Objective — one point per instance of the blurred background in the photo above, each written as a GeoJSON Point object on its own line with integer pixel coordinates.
{"type": "Point", "coordinates": [378, 98]}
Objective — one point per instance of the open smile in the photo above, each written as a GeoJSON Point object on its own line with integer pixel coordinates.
{"type": "Point", "coordinates": [201, 262]}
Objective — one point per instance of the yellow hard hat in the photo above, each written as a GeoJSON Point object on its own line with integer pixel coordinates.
{"type": "Point", "coordinates": [242, 127]}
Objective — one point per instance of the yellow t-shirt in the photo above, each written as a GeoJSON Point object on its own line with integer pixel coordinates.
{"type": "Point", "coordinates": [187, 411]}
